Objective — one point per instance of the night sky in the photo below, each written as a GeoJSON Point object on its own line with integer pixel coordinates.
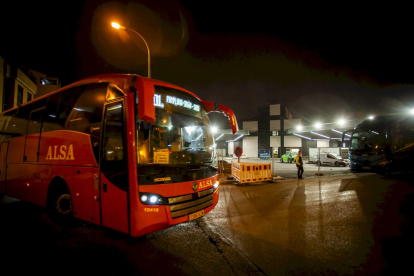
{"type": "Point", "coordinates": [319, 61]}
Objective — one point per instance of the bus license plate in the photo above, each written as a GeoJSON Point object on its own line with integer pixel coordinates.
{"type": "Point", "coordinates": [366, 168]}
{"type": "Point", "coordinates": [196, 215]}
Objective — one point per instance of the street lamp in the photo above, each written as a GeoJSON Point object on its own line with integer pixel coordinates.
{"type": "Point", "coordinates": [117, 26]}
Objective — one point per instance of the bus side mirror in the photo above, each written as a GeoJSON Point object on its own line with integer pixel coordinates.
{"type": "Point", "coordinates": [214, 107]}
{"type": "Point", "coordinates": [146, 108]}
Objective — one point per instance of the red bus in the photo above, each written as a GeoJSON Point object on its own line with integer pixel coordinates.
{"type": "Point", "coordinates": [103, 150]}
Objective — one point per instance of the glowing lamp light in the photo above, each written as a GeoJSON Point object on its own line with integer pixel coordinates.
{"type": "Point", "coordinates": [117, 26]}
{"type": "Point", "coordinates": [371, 117]}
{"type": "Point", "coordinates": [214, 129]}
{"type": "Point", "coordinates": [299, 127]}
{"type": "Point", "coordinates": [216, 184]}
{"type": "Point", "coordinates": [341, 122]}
{"type": "Point", "coordinates": [318, 125]}
{"type": "Point", "coordinates": [412, 111]}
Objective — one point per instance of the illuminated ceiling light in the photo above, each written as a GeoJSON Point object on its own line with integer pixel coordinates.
{"type": "Point", "coordinates": [299, 127]}
{"type": "Point", "coordinates": [371, 117]}
{"type": "Point", "coordinates": [219, 137]}
{"type": "Point", "coordinates": [320, 135]}
{"type": "Point", "coordinates": [234, 139]}
{"type": "Point", "coordinates": [337, 131]}
{"type": "Point", "coordinates": [412, 111]}
{"type": "Point", "coordinates": [238, 137]}
{"type": "Point", "coordinates": [302, 136]}
{"type": "Point", "coordinates": [318, 125]}
{"type": "Point", "coordinates": [341, 122]}
{"type": "Point", "coordinates": [214, 129]}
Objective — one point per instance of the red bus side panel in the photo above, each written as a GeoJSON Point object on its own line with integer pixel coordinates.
{"type": "Point", "coordinates": [85, 194]}
{"type": "Point", "coordinates": [114, 206]}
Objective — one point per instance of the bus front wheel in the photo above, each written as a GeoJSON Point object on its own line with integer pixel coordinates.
{"type": "Point", "coordinates": [59, 207]}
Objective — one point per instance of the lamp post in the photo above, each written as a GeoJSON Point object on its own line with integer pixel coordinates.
{"type": "Point", "coordinates": [117, 26]}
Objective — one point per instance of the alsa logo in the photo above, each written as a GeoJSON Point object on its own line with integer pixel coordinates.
{"type": "Point", "coordinates": [206, 183]}
{"type": "Point", "coordinates": [63, 152]}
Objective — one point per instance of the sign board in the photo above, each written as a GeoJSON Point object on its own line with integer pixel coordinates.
{"type": "Point", "coordinates": [238, 151]}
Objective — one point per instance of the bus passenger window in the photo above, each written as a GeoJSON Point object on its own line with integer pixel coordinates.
{"type": "Point", "coordinates": [88, 109]}
{"type": "Point", "coordinates": [113, 141]}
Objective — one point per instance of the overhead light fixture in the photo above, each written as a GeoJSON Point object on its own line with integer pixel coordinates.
{"type": "Point", "coordinates": [219, 137]}
{"type": "Point", "coordinates": [235, 139]}
{"type": "Point", "coordinates": [337, 131]}
{"type": "Point", "coordinates": [302, 136]}
{"type": "Point", "coordinates": [327, 137]}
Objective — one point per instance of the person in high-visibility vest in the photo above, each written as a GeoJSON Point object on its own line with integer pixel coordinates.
{"type": "Point", "coordinates": [299, 164]}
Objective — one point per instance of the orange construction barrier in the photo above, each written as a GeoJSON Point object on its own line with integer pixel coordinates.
{"type": "Point", "coordinates": [251, 172]}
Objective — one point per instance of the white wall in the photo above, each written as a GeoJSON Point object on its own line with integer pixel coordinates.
{"type": "Point", "coordinates": [274, 125]}
{"type": "Point", "coordinates": [293, 141]}
{"type": "Point", "coordinates": [322, 144]}
{"type": "Point", "coordinates": [274, 141]}
{"type": "Point", "coordinates": [250, 146]}
{"type": "Point", "coordinates": [293, 123]}
{"type": "Point", "coordinates": [250, 125]}
{"type": "Point", "coordinates": [231, 148]}
{"type": "Point", "coordinates": [274, 109]}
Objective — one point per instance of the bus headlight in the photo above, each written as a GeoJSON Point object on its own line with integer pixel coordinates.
{"type": "Point", "coordinates": [215, 185]}
{"type": "Point", "coordinates": [152, 199]}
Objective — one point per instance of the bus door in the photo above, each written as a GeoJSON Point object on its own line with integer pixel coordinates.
{"type": "Point", "coordinates": [3, 165]}
{"type": "Point", "coordinates": [31, 150]}
{"type": "Point", "coordinates": [113, 169]}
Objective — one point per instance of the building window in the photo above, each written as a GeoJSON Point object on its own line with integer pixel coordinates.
{"type": "Point", "coordinates": [19, 95]}
{"type": "Point", "coordinates": [29, 97]}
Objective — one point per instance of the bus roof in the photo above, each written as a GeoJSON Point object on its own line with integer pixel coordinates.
{"type": "Point", "coordinates": [121, 80]}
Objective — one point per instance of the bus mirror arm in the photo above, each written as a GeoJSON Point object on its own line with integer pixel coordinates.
{"type": "Point", "coordinates": [214, 107]}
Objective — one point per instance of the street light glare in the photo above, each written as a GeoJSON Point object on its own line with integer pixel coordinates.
{"type": "Point", "coordinates": [117, 26]}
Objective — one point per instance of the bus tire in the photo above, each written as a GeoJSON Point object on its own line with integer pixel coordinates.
{"type": "Point", "coordinates": [336, 164]}
{"type": "Point", "coordinates": [59, 204]}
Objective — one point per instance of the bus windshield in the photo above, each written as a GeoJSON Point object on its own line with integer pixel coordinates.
{"type": "Point", "coordinates": [368, 140]}
{"type": "Point", "coordinates": [181, 134]}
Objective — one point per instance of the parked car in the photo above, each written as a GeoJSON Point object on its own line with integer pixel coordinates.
{"type": "Point", "coordinates": [289, 157]}
{"type": "Point", "coordinates": [330, 159]}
